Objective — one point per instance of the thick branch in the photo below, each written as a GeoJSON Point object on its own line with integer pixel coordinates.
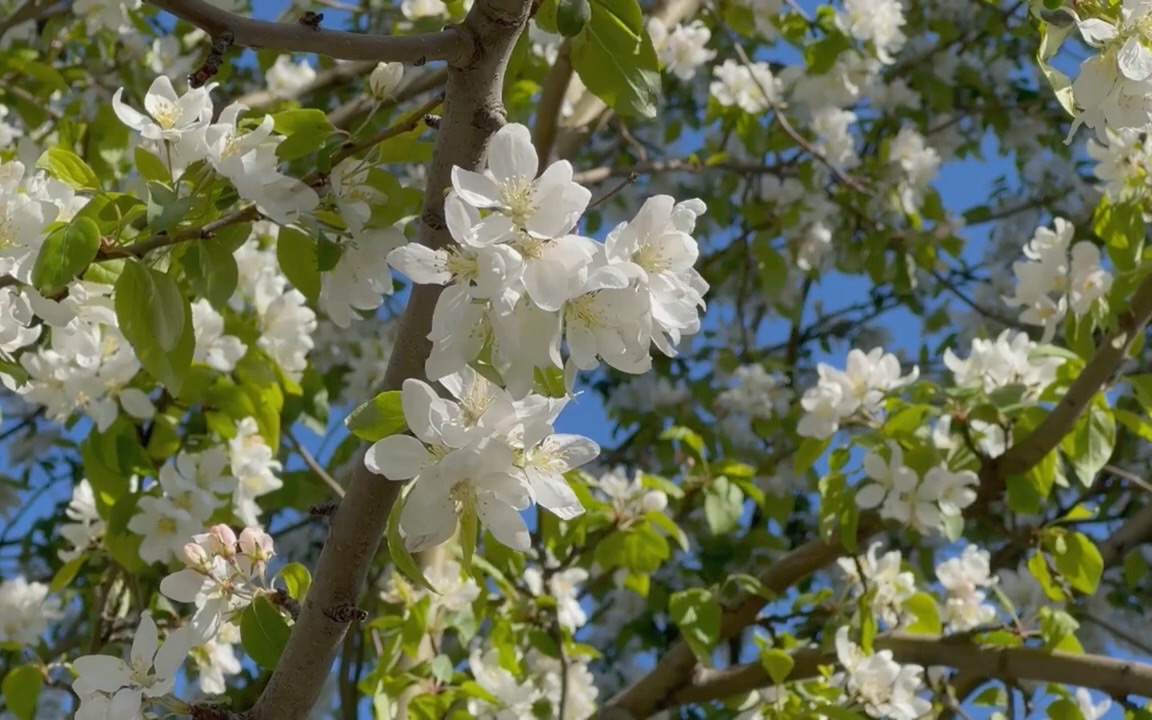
{"type": "Point", "coordinates": [473, 110]}
{"type": "Point", "coordinates": [674, 670]}
{"type": "Point", "coordinates": [451, 44]}
{"type": "Point", "coordinates": [1110, 354]}
{"type": "Point", "coordinates": [1113, 676]}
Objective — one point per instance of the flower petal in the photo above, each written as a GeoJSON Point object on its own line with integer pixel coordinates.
{"type": "Point", "coordinates": [398, 457]}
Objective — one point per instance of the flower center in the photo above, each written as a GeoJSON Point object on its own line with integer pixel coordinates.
{"type": "Point", "coordinates": [463, 494]}
{"type": "Point", "coordinates": [517, 196]}
{"type": "Point", "coordinates": [585, 311]}
{"type": "Point", "coordinates": [652, 259]}
{"type": "Point", "coordinates": [166, 116]}
{"type": "Point", "coordinates": [462, 264]}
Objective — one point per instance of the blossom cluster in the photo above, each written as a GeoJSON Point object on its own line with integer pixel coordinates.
{"type": "Point", "coordinates": [1058, 276]}
{"type": "Point", "coordinates": [521, 282]}
{"type": "Point", "coordinates": [196, 484]}
{"type": "Point", "coordinates": [109, 687]}
{"type": "Point", "coordinates": [223, 573]}
{"type": "Point", "coordinates": [180, 129]}
{"type": "Point", "coordinates": [966, 580]}
{"type": "Point", "coordinates": [883, 686]}
{"type": "Point", "coordinates": [483, 455]}
{"type": "Point", "coordinates": [901, 494]}
{"type": "Point", "coordinates": [1114, 87]}
{"type": "Point", "coordinates": [843, 394]}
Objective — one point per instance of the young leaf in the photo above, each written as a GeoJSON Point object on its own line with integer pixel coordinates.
{"type": "Point", "coordinates": [21, 689]}
{"type": "Point", "coordinates": [378, 418]}
{"type": "Point", "coordinates": [297, 255]}
{"type": "Point", "coordinates": [296, 579]}
{"type": "Point", "coordinates": [615, 59]}
{"type": "Point", "coordinates": [697, 613]}
{"type": "Point", "coordinates": [157, 320]}
{"type": "Point", "coordinates": [65, 254]}
{"type": "Point", "coordinates": [263, 632]}
{"type": "Point", "coordinates": [68, 167]}
{"type": "Point", "coordinates": [777, 663]}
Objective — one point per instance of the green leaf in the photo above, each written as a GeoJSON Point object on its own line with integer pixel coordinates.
{"type": "Point", "coordinates": [668, 525]}
{"type": "Point", "coordinates": [697, 613]}
{"type": "Point", "coordinates": [777, 663]}
{"type": "Point", "coordinates": [378, 418]}
{"type": "Point", "coordinates": [1080, 563]}
{"type": "Point", "coordinates": [66, 574]}
{"type": "Point", "coordinates": [1089, 446]}
{"type": "Point", "coordinates": [1064, 709]}
{"type": "Point", "coordinates": [923, 607]}
{"type": "Point", "coordinates": [157, 320]}
{"type": "Point", "coordinates": [615, 59]}
{"type": "Point", "coordinates": [66, 254]}
{"type": "Point", "coordinates": [398, 551]}
{"type": "Point", "coordinates": [1058, 629]}
{"type": "Point", "coordinates": [151, 167]}
{"type": "Point", "coordinates": [1038, 566]}
{"type": "Point", "coordinates": [296, 579]}
{"type": "Point", "coordinates": [297, 254]}
{"type": "Point", "coordinates": [21, 689]}
{"type": "Point", "coordinates": [260, 379]}
{"type": "Point", "coordinates": [639, 548]}
{"type": "Point", "coordinates": [808, 453]}
{"type": "Point", "coordinates": [160, 304]}
{"type": "Point", "coordinates": [67, 167]}
{"type": "Point", "coordinates": [688, 437]}
{"type": "Point", "coordinates": [263, 632]}
{"type": "Point", "coordinates": [723, 506]}
{"type": "Point", "coordinates": [305, 131]}
{"type": "Point", "coordinates": [211, 270]}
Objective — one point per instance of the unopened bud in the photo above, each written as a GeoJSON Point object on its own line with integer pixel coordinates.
{"type": "Point", "coordinates": [193, 555]}
{"type": "Point", "coordinates": [256, 544]}
{"type": "Point", "coordinates": [654, 501]}
{"type": "Point", "coordinates": [222, 541]}
{"type": "Point", "coordinates": [384, 79]}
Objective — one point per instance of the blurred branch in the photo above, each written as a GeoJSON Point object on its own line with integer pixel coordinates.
{"type": "Point", "coordinates": [1114, 676]}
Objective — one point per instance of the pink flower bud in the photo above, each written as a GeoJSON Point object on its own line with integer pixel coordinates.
{"type": "Point", "coordinates": [256, 544]}
{"type": "Point", "coordinates": [222, 541]}
{"type": "Point", "coordinates": [193, 555]}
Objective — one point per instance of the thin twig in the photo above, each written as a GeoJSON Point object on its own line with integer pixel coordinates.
{"type": "Point", "coordinates": [316, 468]}
{"type": "Point", "coordinates": [632, 177]}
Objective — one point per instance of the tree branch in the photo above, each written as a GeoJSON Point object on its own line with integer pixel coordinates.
{"type": "Point", "coordinates": [1113, 676]}
{"type": "Point", "coordinates": [673, 672]}
{"type": "Point", "coordinates": [473, 111]}
{"type": "Point", "coordinates": [1110, 354]}
{"type": "Point", "coordinates": [451, 44]}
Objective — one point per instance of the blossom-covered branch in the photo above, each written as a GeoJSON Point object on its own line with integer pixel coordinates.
{"type": "Point", "coordinates": [453, 45]}
{"type": "Point", "coordinates": [675, 668]}
{"type": "Point", "coordinates": [1111, 352]}
{"type": "Point", "coordinates": [1114, 676]}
